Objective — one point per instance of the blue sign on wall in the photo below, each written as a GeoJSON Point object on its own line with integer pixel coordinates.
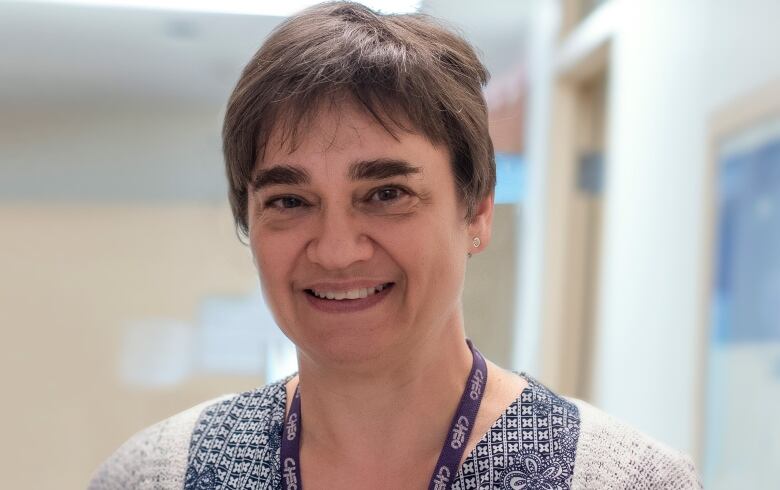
{"type": "Point", "coordinates": [510, 178]}
{"type": "Point", "coordinates": [747, 287]}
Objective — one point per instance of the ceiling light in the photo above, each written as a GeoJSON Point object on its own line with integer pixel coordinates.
{"type": "Point", "coordinates": [242, 7]}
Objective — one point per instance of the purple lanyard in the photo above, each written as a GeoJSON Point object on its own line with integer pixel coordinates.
{"type": "Point", "coordinates": [451, 454]}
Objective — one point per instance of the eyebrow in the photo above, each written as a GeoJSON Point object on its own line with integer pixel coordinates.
{"type": "Point", "coordinates": [381, 168]}
{"type": "Point", "coordinates": [378, 169]}
{"type": "Point", "coordinates": [280, 175]}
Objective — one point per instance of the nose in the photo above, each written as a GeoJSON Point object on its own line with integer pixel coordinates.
{"type": "Point", "coordinates": [339, 240]}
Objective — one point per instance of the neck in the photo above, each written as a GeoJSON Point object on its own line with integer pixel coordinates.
{"type": "Point", "coordinates": [402, 408]}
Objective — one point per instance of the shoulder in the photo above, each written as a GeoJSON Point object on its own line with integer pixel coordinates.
{"type": "Point", "coordinates": [155, 457]}
{"type": "Point", "coordinates": [611, 454]}
{"type": "Point", "coordinates": [159, 456]}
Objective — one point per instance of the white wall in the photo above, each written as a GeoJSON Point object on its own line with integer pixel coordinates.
{"type": "Point", "coordinates": [530, 271]}
{"type": "Point", "coordinates": [674, 64]}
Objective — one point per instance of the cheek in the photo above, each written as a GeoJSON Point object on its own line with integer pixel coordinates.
{"type": "Point", "coordinates": [272, 256]}
{"type": "Point", "coordinates": [428, 251]}
{"type": "Point", "coordinates": [273, 268]}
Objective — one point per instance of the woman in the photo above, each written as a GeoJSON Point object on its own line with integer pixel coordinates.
{"type": "Point", "coordinates": [361, 171]}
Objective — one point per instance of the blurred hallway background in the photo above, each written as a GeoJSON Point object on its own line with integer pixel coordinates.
{"type": "Point", "coordinates": [636, 258]}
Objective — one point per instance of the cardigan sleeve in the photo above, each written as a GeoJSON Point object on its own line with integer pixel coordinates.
{"type": "Point", "coordinates": [612, 455]}
{"type": "Point", "coordinates": [155, 458]}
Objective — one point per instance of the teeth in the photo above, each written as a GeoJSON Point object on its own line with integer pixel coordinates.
{"type": "Point", "coordinates": [351, 294]}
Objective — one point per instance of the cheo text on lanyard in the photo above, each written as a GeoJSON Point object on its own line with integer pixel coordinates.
{"type": "Point", "coordinates": [451, 453]}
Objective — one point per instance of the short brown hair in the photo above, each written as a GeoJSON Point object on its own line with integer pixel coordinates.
{"type": "Point", "coordinates": [402, 69]}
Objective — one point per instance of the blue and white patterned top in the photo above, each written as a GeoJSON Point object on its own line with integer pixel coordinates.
{"type": "Point", "coordinates": [532, 445]}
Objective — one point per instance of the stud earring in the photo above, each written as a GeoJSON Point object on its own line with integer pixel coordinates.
{"type": "Point", "coordinates": [476, 242]}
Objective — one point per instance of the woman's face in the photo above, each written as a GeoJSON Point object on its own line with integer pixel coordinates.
{"type": "Point", "coordinates": [360, 238]}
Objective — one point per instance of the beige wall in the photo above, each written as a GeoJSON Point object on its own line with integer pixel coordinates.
{"type": "Point", "coordinates": [74, 275]}
{"type": "Point", "coordinates": [490, 289]}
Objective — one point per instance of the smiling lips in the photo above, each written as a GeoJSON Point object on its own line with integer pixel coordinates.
{"type": "Point", "coordinates": [357, 293]}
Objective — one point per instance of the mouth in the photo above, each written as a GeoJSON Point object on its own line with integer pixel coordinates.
{"type": "Point", "coordinates": [351, 300]}
{"type": "Point", "coordinates": [350, 294]}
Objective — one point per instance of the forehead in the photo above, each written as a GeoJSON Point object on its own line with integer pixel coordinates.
{"type": "Point", "coordinates": [327, 128]}
{"type": "Point", "coordinates": [344, 132]}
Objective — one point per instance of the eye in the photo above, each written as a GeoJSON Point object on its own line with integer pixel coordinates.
{"type": "Point", "coordinates": [284, 202]}
{"type": "Point", "coordinates": [387, 194]}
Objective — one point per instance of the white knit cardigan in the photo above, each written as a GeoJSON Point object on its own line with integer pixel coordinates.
{"type": "Point", "coordinates": [609, 455]}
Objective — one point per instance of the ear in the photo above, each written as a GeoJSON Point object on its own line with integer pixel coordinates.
{"type": "Point", "coordinates": [481, 225]}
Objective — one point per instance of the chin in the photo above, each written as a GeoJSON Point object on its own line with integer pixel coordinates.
{"type": "Point", "coordinates": [345, 348]}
